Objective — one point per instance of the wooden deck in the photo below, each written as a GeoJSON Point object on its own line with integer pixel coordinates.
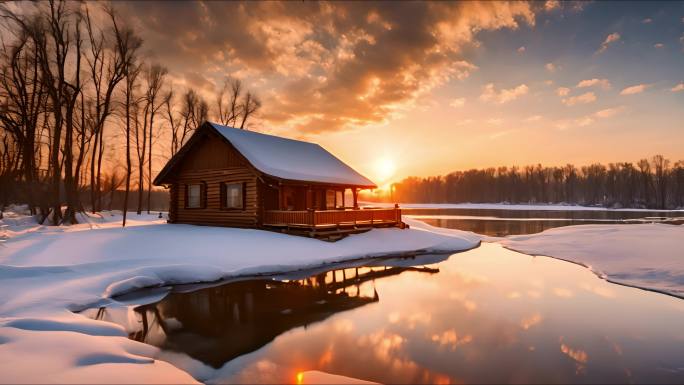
{"type": "Point", "coordinates": [331, 224]}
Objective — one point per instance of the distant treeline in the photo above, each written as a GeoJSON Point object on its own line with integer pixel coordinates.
{"type": "Point", "coordinates": [652, 183]}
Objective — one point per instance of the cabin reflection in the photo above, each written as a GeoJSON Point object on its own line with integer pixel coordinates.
{"type": "Point", "coordinates": [217, 324]}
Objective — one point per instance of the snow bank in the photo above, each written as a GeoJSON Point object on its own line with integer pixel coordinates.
{"type": "Point", "coordinates": [506, 206]}
{"type": "Point", "coordinates": [17, 221]}
{"type": "Point", "coordinates": [47, 271]}
{"type": "Point", "coordinates": [649, 256]}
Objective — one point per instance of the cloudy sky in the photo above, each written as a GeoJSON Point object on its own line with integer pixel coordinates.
{"type": "Point", "coordinates": [428, 88]}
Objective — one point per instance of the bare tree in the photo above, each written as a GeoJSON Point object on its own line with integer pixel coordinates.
{"type": "Point", "coordinates": [154, 80]}
{"type": "Point", "coordinates": [645, 170]}
{"type": "Point", "coordinates": [22, 99]}
{"type": "Point", "coordinates": [233, 108]}
{"type": "Point", "coordinates": [106, 67]}
{"type": "Point", "coordinates": [661, 166]}
{"type": "Point", "coordinates": [172, 120]}
{"type": "Point", "coordinates": [193, 112]}
{"type": "Point", "coordinates": [249, 106]}
{"type": "Point", "coordinates": [128, 44]}
{"type": "Point", "coordinates": [229, 109]}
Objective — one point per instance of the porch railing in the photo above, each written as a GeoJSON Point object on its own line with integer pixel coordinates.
{"type": "Point", "coordinates": [313, 218]}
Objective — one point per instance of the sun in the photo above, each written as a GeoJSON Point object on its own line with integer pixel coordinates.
{"type": "Point", "coordinates": [384, 169]}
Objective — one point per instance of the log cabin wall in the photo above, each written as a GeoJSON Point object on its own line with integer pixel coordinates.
{"type": "Point", "coordinates": [211, 163]}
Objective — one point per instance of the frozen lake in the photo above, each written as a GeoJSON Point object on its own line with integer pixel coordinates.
{"type": "Point", "coordinates": [501, 222]}
{"type": "Point", "coordinates": [486, 315]}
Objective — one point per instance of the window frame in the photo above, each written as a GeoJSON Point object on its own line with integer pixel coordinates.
{"type": "Point", "coordinates": [224, 196]}
{"type": "Point", "coordinates": [202, 196]}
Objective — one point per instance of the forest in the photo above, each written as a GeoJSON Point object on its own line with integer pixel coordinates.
{"type": "Point", "coordinates": [85, 113]}
{"type": "Point", "coordinates": [655, 183]}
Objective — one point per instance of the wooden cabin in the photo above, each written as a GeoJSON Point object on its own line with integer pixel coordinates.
{"type": "Point", "coordinates": [225, 176]}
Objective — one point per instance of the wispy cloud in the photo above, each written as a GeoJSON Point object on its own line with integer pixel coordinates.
{"type": "Point", "coordinates": [647, 20]}
{"type": "Point", "coordinates": [551, 67]}
{"type": "Point", "coordinates": [587, 97]}
{"type": "Point", "coordinates": [602, 114]}
{"type": "Point", "coordinates": [603, 83]}
{"type": "Point", "coordinates": [659, 45]}
{"type": "Point", "coordinates": [678, 88]}
{"type": "Point", "coordinates": [588, 120]}
{"type": "Point", "coordinates": [490, 94]}
{"type": "Point", "coordinates": [457, 103]}
{"type": "Point", "coordinates": [610, 39]}
{"type": "Point", "coordinates": [562, 91]}
{"type": "Point", "coordinates": [521, 49]}
{"type": "Point", "coordinates": [637, 89]}
{"type": "Point", "coordinates": [608, 112]}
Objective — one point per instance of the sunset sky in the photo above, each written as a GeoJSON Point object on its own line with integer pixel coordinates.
{"type": "Point", "coordinates": [427, 88]}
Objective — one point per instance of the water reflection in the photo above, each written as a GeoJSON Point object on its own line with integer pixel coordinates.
{"type": "Point", "coordinates": [514, 222]}
{"type": "Point", "coordinates": [489, 315]}
{"type": "Point", "coordinates": [217, 324]}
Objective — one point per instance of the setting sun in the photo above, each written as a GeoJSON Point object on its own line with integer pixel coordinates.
{"type": "Point", "coordinates": [385, 168]}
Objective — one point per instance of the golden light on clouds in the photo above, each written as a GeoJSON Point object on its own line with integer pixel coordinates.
{"type": "Point", "coordinates": [432, 84]}
{"type": "Point", "coordinates": [637, 89]}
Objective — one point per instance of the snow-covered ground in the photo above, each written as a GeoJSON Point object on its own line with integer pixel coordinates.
{"type": "Point", "coordinates": [506, 206]}
{"type": "Point", "coordinates": [46, 272]}
{"type": "Point", "coordinates": [649, 256]}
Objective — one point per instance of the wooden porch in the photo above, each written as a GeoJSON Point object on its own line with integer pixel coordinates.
{"type": "Point", "coordinates": [331, 224]}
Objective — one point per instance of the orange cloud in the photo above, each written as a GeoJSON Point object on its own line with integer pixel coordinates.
{"type": "Point", "coordinates": [585, 98]}
{"type": "Point", "coordinates": [608, 112]}
{"type": "Point", "coordinates": [562, 91]}
{"type": "Point", "coordinates": [637, 89]}
{"type": "Point", "coordinates": [612, 38]}
{"type": "Point", "coordinates": [679, 87]}
{"type": "Point", "coordinates": [603, 83]}
{"type": "Point", "coordinates": [490, 94]}
{"type": "Point", "coordinates": [324, 66]}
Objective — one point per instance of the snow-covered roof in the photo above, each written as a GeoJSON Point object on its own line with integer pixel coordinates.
{"type": "Point", "coordinates": [291, 159]}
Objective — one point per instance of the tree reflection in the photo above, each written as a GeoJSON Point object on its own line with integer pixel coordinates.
{"type": "Point", "coordinates": [217, 324]}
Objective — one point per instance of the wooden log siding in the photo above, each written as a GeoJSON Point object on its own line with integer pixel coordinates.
{"type": "Point", "coordinates": [213, 213]}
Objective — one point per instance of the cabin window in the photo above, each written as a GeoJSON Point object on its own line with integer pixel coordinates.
{"type": "Point", "coordinates": [194, 196]}
{"type": "Point", "coordinates": [233, 196]}
{"type": "Point", "coordinates": [339, 199]}
{"type": "Point", "coordinates": [329, 199]}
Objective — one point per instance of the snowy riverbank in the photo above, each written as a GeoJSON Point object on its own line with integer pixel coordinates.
{"type": "Point", "coordinates": [648, 256]}
{"type": "Point", "coordinates": [45, 272]}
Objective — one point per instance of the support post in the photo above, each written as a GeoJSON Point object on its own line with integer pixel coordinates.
{"type": "Point", "coordinates": [355, 194]}
{"type": "Point", "coordinates": [280, 196]}
{"type": "Point", "coordinates": [312, 217]}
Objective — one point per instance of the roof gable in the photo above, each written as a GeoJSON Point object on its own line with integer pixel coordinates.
{"type": "Point", "coordinates": [278, 157]}
{"type": "Point", "coordinates": [291, 159]}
